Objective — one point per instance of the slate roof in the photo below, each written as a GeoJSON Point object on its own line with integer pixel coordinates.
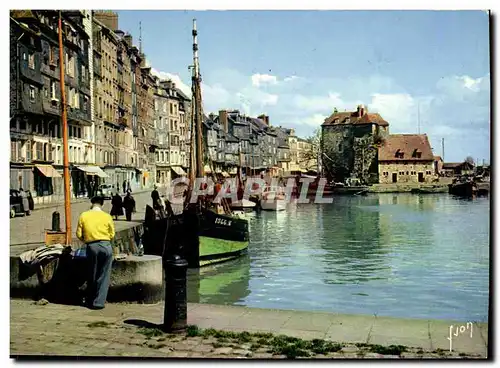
{"type": "Point", "coordinates": [406, 144]}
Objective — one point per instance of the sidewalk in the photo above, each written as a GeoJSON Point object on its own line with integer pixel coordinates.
{"type": "Point", "coordinates": [59, 203]}
{"type": "Point", "coordinates": [132, 330]}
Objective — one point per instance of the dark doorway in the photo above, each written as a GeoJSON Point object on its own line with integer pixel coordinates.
{"type": "Point", "coordinates": [394, 177]}
{"type": "Point", "coordinates": [420, 177]}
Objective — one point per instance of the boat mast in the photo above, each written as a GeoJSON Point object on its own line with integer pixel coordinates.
{"type": "Point", "coordinates": [197, 105]}
{"type": "Point", "coordinates": [64, 123]}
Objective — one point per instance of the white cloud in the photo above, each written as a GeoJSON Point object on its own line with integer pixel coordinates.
{"type": "Point", "coordinates": [174, 78]}
{"type": "Point", "coordinates": [456, 106]}
{"type": "Point", "coordinates": [291, 78]}
{"type": "Point", "coordinates": [263, 79]}
{"type": "Point", "coordinates": [399, 109]}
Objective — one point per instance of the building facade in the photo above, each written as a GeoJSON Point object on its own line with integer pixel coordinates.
{"type": "Point", "coordinates": [35, 110]}
{"type": "Point", "coordinates": [349, 144]}
{"type": "Point", "coordinates": [406, 158]}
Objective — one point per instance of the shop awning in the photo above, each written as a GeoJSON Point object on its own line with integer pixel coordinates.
{"type": "Point", "coordinates": [178, 170]}
{"type": "Point", "coordinates": [233, 171]}
{"type": "Point", "coordinates": [225, 174]}
{"type": "Point", "coordinates": [48, 171]}
{"type": "Point", "coordinates": [93, 170]}
{"type": "Point", "coordinates": [206, 168]}
{"type": "Point", "coordinates": [302, 170]}
{"type": "Point", "coordinates": [218, 171]}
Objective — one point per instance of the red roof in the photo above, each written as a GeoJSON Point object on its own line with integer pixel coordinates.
{"type": "Point", "coordinates": [406, 147]}
{"type": "Point", "coordinates": [352, 117]}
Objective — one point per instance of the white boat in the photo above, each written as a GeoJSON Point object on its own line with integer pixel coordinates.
{"type": "Point", "coordinates": [273, 201]}
{"type": "Point", "coordinates": [244, 205]}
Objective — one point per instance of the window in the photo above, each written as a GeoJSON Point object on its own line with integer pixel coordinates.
{"type": "Point", "coordinates": [76, 99]}
{"type": "Point", "coordinates": [52, 60]}
{"type": "Point", "coordinates": [39, 150]}
{"type": "Point", "coordinates": [53, 91]}
{"type": "Point", "coordinates": [162, 157]}
{"type": "Point", "coordinates": [156, 105]}
{"type": "Point", "coordinates": [164, 107]}
{"type": "Point", "coordinates": [85, 103]}
{"type": "Point", "coordinates": [13, 150]}
{"type": "Point", "coordinates": [29, 150]}
{"type": "Point", "coordinates": [171, 108]}
{"type": "Point", "coordinates": [32, 94]}
{"type": "Point", "coordinates": [31, 61]}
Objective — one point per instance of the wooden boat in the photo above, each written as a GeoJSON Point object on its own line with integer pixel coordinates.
{"type": "Point", "coordinates": [483, 188]}
{"type": "Point", "coordinates": [243, 205]}
{"type": "Point", "coordinates": [200, 233]}
{"type": "Point", "coordinates": [202, 238]}
{"type": "Point", "coordinates": [463, 188]}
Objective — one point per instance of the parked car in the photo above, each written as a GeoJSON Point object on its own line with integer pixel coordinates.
{"type": "Point", "coordinates": [17, 207]}
{"type": "Point", "coordinates": [106, 190]}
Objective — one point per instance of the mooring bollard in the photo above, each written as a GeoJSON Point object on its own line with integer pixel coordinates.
{"type": "Point", "coordinates": [175, 313]}
{"type": "Point", "coordinates": [56, 221]}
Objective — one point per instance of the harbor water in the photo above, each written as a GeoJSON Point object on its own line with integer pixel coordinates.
{"type": "Point", "coordinates": [399, 255]}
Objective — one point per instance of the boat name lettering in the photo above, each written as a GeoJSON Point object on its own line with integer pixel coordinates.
{"type": "Point", "coordinates": [223, 222]}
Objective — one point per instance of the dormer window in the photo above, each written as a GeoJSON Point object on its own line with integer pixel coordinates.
{"type": "Point", "coordinates": [336, 121]}
{"type": "Point", "coordinates": [416, 154]}
{"type": "Point", "coordinates": [399, 154]}
{"type": "Point", "coordinates": [347, 120]}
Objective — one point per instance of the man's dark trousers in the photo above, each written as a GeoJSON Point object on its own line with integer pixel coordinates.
{"type": "Point", "coordinates": [100, 258]}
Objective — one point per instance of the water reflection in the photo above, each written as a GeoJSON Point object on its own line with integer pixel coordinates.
{"type": "Point", "coordinates": [227, 281]}
{"type": "Point", "coordinates": [406, 255]}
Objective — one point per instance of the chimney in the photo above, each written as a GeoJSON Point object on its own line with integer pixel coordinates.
{"type": "Point", "coordinates": [128, 39]}
{"type": "Point", "coordinates": [107, 17]}
{"type": "Point", "coordinates": [361, 110]}
{"type": "Point", "coordinates": [223, 119]}
{"type": "Point", "coordinates": [265, 118]}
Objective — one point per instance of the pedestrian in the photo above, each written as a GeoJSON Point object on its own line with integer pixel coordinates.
{"type": "Point", "coordinates": [116, 206]}
{"type": "Point", "coordinates": [129, 189]}
{"type": "Point", "coordinates": [129, 205]}
{"type": "Point", "coordinates": [124, 186]}
{"type": "Point", "coordinates": [155, 196]}
{"type": "Point", "coordinates": [25, 201]}
{"type": "Point", "coordinates": [96, 229]}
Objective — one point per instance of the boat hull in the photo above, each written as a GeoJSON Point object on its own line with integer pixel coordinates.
{"type": "Point", "coordinates": [202, 239]}
{"type": "Point", "coordinates": [468, 189]}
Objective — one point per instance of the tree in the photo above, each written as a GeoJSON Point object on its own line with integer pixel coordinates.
{"type": "Point", "coordinates": [323, 149]}
{"type": "Point", "coordinates": [469, 160]}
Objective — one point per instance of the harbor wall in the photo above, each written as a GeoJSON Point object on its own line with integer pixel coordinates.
{"type": "Point", "coordinates": [407, 187]}
{"type": "Point", "coordinates": [133, 279]}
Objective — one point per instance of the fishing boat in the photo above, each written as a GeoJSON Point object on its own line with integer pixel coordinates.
{"type": "Point", "coordinates": [203, 232]}
{"type": "Point", "coordinates": [464, 187]}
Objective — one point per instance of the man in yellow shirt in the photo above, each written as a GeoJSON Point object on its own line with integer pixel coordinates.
{"type": "Point", "coordinates": [96, 229]}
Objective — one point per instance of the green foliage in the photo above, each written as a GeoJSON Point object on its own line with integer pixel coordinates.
{"type": "Point", "coordinates": [193, 330]}
{"type": "Point", "coordinates": [388, 350]}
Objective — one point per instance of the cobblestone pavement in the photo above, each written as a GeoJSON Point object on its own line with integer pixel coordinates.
{"type": "Point", "coordinates": [131, 330]}
{"type": "Point", "coordinates": [31, 229]}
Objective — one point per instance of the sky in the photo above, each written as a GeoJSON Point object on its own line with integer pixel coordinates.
{"type": "Point", "coordinates": [421, 70]}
